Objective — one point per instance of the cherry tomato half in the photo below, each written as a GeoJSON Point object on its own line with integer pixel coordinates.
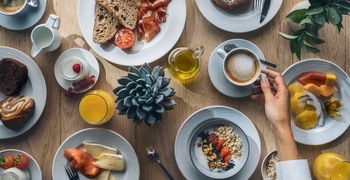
{"type": "Point", "coordinates": [124, 38]}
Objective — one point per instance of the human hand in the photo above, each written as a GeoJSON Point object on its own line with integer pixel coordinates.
{"type": "Point", "coordinates": [273, 90]}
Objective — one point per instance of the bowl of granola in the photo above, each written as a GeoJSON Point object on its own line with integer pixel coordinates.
{"type": "Point", "coordinates": [219, 148]}
{"type": "Point", "coordinates": [268, 166]}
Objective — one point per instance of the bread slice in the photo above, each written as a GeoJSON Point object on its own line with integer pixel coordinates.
{"type": "Point", "coordinates": [108, 161]}
{"type": "Point", "coordinates": [15, 111]}
{"type": "Point", "coordinates": [124, 10]}
{"type": "Point", "coordinates": [13, 74]}
{"type": "Point", "coordinates": [105, 25]}
{"type": "Point", "coordinates": [97, 149]}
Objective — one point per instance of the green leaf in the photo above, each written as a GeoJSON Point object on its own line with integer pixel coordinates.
{"type": "Point", "coordinates": [343, 6]}
{"type": "Point", "coordinates": [314, 10]}
{"type": "Point", "coordinates": [295, 47]}
{"type": "Point", "coordinates": [319, 18]}
{"type": "Point", "coordinates": [314, 38]}
{"type": "Point", "coordinates": [306, 21]}
{"type": "Point", "coordinates": [287, 36]}
{"type": "Point", "coordinates": [310, 47]}
{"type": "Point", "coordinates": [297, 15]}
{"type": "Point", "coordinates": [333, 16]}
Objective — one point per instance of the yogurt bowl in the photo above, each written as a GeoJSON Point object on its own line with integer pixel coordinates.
{"type": "Point", "coordinates": [75, 68]}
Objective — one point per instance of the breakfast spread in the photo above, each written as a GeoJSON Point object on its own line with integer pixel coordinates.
{"type": "Point", "coordinates": [220, 146]}
{"type": "Point", "coordinates": [15, 111]}
{"type": "Point", "coordinates": [13, 74]}
{"type": "Point", "coordinates": [232, 4]}
{"type": "Point", "coordinates": [305, 97]}
{"type": "Point", "coordinates": [118, 19]}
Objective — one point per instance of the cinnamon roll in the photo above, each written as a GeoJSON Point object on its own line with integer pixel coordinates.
{"type": "Point", "coordinates": [15, 111]}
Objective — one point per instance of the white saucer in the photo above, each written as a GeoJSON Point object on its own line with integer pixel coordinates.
{"type": "Point", "coordinates": [24, 20]}
{"type": "Point", "coordinates": [82, 53]}
{"type": "Point", "coordinates": [217, 76]}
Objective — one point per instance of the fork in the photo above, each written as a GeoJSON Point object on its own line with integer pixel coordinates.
{"type": "Point", "coordinates": [258, 4]}
{"type": "Point", "coordinates": [71, 172]}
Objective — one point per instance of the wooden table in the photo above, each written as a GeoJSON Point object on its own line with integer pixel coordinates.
{"type": "Point", "coordinates": [60, 118]}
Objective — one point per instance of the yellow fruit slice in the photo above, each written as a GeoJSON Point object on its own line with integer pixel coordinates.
{"type": "Point", "coordinates": [296, 104]}
{"type": "Point", "coordinates": [314, 89]}
{"type": "Point", "coordinates": [306, 119]}
{"type": "Point", "coordinates": [330, 79]}
{"type": "Point", "coordinates": [295, 87]}
{"type": "Point", "coordinates": [323, 164]}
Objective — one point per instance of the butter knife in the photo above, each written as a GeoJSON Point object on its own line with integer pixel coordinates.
{"type": "Point", "coordinates": [265, 9]}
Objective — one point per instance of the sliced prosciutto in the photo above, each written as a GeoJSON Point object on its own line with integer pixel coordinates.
{"type": "Point", "coordinates": [151, 13]}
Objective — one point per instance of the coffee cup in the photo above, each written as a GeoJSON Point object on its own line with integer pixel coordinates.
{"type": "Point", "coordinates": [45, 37]}
{"type": "Point", "coordinates": [241, 67]}
{"type": "Point", "coordinates": [13, 7]}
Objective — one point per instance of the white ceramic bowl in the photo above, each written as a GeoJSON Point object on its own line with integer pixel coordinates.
{"type": "Point", "coordinates": [265, 163]}
{"type": "Point", "coordinates": [67, 68]}
{"type": "Point", "coordinates": [199, 159]}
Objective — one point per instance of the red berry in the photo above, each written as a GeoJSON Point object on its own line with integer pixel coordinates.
{"type": "Point", "coordinates": [76, 68]}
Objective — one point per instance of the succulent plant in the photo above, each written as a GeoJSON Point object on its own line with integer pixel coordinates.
{"type": "Point", "coordinates": [144, 95]}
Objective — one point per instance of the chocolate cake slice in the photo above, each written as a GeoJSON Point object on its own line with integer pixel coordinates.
{"type": "Point", "coordinates": [13, 74]}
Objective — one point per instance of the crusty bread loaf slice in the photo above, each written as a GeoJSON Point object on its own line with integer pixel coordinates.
{"type": "Point", "coordinates": [105, 25]}
{"type": "Point", "coordinates": [124, 10]}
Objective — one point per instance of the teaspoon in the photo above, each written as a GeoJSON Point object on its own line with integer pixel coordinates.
{"type": "Point", "coordinates": [152, 154]}
{"type": "Point", "coordinates": [33, 3]}
{"type": "Point", "coordinates": [229, 47]}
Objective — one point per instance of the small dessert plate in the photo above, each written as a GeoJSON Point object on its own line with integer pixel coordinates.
{"type": "Point", "coordinates": [216, 73]}
{"type": "Point", "coordinates": [83, 54]}
{"type": "Point", "coordinates": [24, 20]}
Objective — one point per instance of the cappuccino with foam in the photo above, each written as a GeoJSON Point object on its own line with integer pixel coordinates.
{"type": "Point", "coordinates": [11, 6]}
{"type": "Point", "coordinates": [241, 67]}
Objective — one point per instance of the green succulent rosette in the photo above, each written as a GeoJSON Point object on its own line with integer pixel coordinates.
{"type": "Point", "coordinates": [143, 94]}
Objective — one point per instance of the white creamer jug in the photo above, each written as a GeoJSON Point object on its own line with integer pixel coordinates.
{"type": "Point", "coordinates": [45, 37]}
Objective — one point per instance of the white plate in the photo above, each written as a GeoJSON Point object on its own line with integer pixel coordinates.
{"type": "Point", "coordinates": [33, 168]}
{"type": "Point", "coordinates": [142, 51]}
{"type": "Point", "coordinates": [24, 20]}
{"type": "Point", "coordinates": [104, 137]}
{"type": "Point", "coordinates": [199, 118]}
{"type": "Point", "coordinates": [241, 21]}
{"type": "Point", "coordinates": [216, 73]}
{"type": "Point", "coordinates": [35, 87]}
{"type": "Point", "coordinates": [332, 128]}
{"type": "Point", "coordinates": [78, 52]}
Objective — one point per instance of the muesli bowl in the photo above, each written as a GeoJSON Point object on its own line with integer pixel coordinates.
{"type": "Point", "coordinates": [268, 166]}
{"type": "Point", "coordinates": [219, 148]}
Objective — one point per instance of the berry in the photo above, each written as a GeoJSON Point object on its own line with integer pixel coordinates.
{"type": "Point", "coordinates": [76, 68]}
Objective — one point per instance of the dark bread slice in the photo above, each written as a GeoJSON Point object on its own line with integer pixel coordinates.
{"type": "Point", "coordinates": [13, 74]}
{"type": "Point", "coordinates": [105, 25]}
{"type": "Point", "coordinates": [232, 4]}
{"type": "Point", "coordinates": [124, 10]}
{"type": "Point", "coordinates": [15, 111]}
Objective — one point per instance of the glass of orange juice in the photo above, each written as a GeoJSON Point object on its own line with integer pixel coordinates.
{"type": "Point", "coordinates": [341, 171]}
{"type": "Point", "coordinates": [96, 107]}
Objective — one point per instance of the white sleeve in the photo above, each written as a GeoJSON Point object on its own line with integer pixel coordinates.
{"type": "Point", "coordinates": [293, 170]}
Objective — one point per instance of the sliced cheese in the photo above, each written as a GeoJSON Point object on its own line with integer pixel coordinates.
{"type": "Point", "coordinates": [97, 149]}
{"type": "Point", "coordinates": [104, 175]}
{"type": "Point", "coordinates": [108, 161]}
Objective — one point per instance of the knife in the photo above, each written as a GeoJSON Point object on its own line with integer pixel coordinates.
{"type": "Point", "coordinates": [265, 9]}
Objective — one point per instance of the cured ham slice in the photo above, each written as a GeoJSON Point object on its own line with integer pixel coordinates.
{"type": "Point", "coordinates": [150, 14]}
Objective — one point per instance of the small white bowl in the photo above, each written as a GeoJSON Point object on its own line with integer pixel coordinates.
{"type": "Point", "coordinates": [68, 72]}
{"type": "Point", "coordinates": [199, 159]}
{"type": "Point", "coordinates": [265, 163]}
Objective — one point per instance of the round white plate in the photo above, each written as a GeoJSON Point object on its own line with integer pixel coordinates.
{"type": "Point", "coordinates": [141, 52]}
{"type": "Point", "coordinates": [33, 168]}
{"type": "Point", "coordinates": [78, 52]}
{"type": "Point", "coordinates": [199, 118]}
{"type": "Point", "coordinates": [333, 128]}
{"type": "Point", "coordinates": [24, 20]}
{"type": "Point", "coordinates": [35, 87]}
{"type": "Point", "coordinates": [216, 73]}
{"type": "Point", "coordinates": [104, 137]}
{"type": "Point", "coordinates": [241, 21]}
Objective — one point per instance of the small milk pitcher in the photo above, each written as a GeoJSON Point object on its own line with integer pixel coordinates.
{"type": "Point", "coordinates": [45, 37]}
